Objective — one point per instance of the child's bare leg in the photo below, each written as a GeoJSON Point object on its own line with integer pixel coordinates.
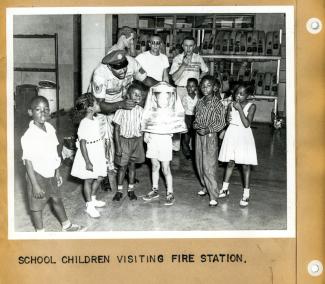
{"type": "Point", "coordinates": [229, 170]}
{"type": "Point", "coordinates": [94, 187]}
{"type": "Point", "coordinates": [224, 190]}
{"type": "Point", "coordinates": [37, 219]}
{"type": "Point", "coordinates": [131, 193]}
{"type": "Point", "coordinates": [59, 210]}
{"type": "Point", "coordinates": [87, 189]}
{"type": "Point", "coordinates": [168, 176]}
{"type": "Point", "coordinates": [120, 179]}
{"type": "Point", "coordinates": [247, 175]}
{"type": "Point", "coordinates": [155, 173]}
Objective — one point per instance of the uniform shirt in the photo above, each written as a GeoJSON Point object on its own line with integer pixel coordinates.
{"type": "Point", "coordinates": [106, 86]}
{"type": "Point", "coordinates": [40, 148]}
{"type": "Point", "coordinates": [190, 71]}
{"type": "Point", "coordinates": [209, 114]}
{"type": "Point", "coordinates": [129, 121]}
{"type": "Point", "coordinates": [189, 104]}
{"type": "Point", "coordinates": [154, 65]}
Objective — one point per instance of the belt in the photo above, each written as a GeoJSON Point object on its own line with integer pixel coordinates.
{"type": "Point", "coordinates": [91, 142]}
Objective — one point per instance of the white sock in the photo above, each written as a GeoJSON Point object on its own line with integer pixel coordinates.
{"type": "Point", "coordinates": [120, 188]}
{"type": "Point", "coordinates": [40, 230]}
{"type": "Point", "coordinates": [131, 187]}
{"type": "Point", "coordinates": [90, 203]}
{"type": "Point", "coordinates": [246, 192]}
{"type": "Point", "coordinates": [225, 185]}
{"type": "Point", "coordinates": [66, 224]}
{"type": "Point", "coordinates": [93, 198]}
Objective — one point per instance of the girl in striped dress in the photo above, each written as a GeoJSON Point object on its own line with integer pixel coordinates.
{"type": "Point", "coordinates": [238, 146]}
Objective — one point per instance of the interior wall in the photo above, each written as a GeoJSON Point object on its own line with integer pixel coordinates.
{"type": "Point", "coordinates": [40, 52]}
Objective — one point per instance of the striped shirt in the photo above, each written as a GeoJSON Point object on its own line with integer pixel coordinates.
{"type": "Point", "coordinates": [129, 121]}
{"type": "Point", "coordinates": [209, 114]}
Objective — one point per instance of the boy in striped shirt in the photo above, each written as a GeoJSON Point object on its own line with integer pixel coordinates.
{"type": "Point", "coordinates": [128, 142]}
{"type": "Point", "coordinates": [209, 120]}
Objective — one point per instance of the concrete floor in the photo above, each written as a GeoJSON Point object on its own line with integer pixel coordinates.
{"type": "Point", "coordinates": [267, 209]}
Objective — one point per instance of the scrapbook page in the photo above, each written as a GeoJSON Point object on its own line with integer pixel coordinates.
{"type": "Point", "coordinates": [169, 142]}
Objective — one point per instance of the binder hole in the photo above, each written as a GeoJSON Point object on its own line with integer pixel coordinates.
{"type": "Point", "coordinates": [315, 268]}
{"type": "Point", "coordinates": [314, 25]}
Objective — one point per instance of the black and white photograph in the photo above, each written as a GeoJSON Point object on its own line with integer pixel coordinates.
{"type": "Point", "coordinates": [151, 122]}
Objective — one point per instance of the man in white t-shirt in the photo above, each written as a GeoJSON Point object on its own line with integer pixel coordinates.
{"type": "Point", "coordinates": [153, 62]}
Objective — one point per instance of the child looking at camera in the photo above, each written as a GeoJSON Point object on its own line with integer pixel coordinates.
{"type": "Point", "coordinates": [40, 156]}
{"type": "Point", "coordinates": [209, 120]}
{"type": "Point", "coordinates": [90, 162]}
{"type": "Point", "coordinates": [238, 146]}
{"type": "Point", "coordinates": [128, 142]}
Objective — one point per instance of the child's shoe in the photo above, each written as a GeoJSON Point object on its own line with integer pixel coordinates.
{"type": "Point", "coordinates": [92, 211]}
{"type": "Point", "coordinates": [223, 193]}
{"type": "Point", "coordinates": [170, 199]}
{"type": "Point", "coordinates": [75, 228]}
{"type": "Point", "coordinates": [202, 192]}
{"type": "Point", "coordinates": [118, 195]}
{"type": "Point", "coordinates": [213, 203]}
{"type": "Point", "coordinates": [153, 194]}
{"type": "Point", "coordinates": [245, 199]}
{"type": "Point", "coordinates": [132, 195]}
{"type": "Point", "coordinates": [98, 203]}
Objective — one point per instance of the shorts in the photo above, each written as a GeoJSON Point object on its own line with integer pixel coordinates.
{"type": "Point", "coordinates": [160, 147]}
{"type": "Point", "coordinates": [50, 187]}
{"type": "Point", "coordinates": [132, 151]}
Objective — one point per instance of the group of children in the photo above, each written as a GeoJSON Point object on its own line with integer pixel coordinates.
{"type": "Point", "coordinates": [205, 126]}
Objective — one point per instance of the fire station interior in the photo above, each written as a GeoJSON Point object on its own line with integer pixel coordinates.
{"type": "Point", "coordinates": [55, 55]}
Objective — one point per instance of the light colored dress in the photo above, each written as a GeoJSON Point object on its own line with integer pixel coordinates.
{"type": "Point", "coordinates": [238, 144]}
{"type": "Point", "coordinates": [89, 131]}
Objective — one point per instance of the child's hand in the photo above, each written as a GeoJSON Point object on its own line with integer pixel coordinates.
{"type": "Point", "coordinates": [38, 193]}
{"type": "Point", "coordinates": [237, 105]}
{"type": "Point", "coordinates": [203, 131]}
{"type": "Point", "coordinates": [89, 166]}
{"type": "Point", "coordinates": [146, 137]}
{"type": "Point", "coordinates": [222, 134]}
{"type": "Point", "coordinates": [58, 177]}
{"type": "Point", "coordinates": [118, 151]}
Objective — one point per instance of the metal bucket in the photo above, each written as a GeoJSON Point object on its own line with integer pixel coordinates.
{"type": "Point", "coordinates": [47, 89]}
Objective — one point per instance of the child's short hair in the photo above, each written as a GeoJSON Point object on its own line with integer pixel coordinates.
{"type": "Point", "coordinates": [81, 105]}
{"type": "Point", "coordinates": [134, 86]}
{"type": "Point", "coordinates": [248, 86]}
{"type": "Point", "coordinates": [194, 80]}
{"type": "Point", "coordinates": [209, 78]}
{"type": "Point", "coordinates": [35, 100]}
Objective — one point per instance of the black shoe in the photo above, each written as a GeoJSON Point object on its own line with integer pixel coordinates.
{"type": "Point", "coordinates": [118, 195]}
{"type": "Point", "coordinates": [188, 157]}
{"type": "Point", "coordinates": [132, 195]}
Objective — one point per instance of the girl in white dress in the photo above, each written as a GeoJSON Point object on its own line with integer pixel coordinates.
{"type": "Point", "coordinates": [90, 162]}
{"type": "Point", "coordinates": [238, 146]}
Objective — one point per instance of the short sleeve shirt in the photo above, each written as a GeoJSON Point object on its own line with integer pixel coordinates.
{"type": "Point", "coordinates": [129, 121]}
{"type": "Point", "coordinates": [191, 71]}
{"type": "Point", "coordinates": [154, 65]}
{"type": "Point", "coordinates": [40, 148]}
{"type": "Point", "coordinates": [106, 86]}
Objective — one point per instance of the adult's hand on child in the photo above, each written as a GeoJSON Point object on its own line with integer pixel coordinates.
{"type": "Point", "coordinates": [38, 193]}
{"type": "Point", "coordinates": [89, 166]}
{"type": "Point", "coordinates": [59, 181]}
{"type": "Point", "coordinates": [128, 104]}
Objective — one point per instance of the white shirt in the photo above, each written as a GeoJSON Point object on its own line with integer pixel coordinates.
{"type": "Point", "coordinates": [191, 71]}
{"type": "Point", "coordinates": [189, 104]}
{"type": "Point", "coordinates": [154, 65]}
{"type": "Point", "coordinates": [40, 148]}
{"type": "Point", "coordinates": [106, 86]}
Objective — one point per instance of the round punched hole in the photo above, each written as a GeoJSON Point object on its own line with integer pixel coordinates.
{"type": "Point", "coordinates": [314, 25]}
{"type": "Point", "coordinates": [315, 268]}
